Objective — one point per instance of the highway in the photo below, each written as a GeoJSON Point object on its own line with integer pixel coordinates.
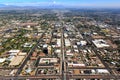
{"type": "Point", "coordinates": [63, 61]}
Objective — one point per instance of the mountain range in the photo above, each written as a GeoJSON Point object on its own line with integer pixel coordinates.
{"type": "Point", "coordinates": [4, 6]}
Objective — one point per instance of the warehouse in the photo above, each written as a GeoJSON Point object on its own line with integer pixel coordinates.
{"type": "Point", "coordinates": [100, 43]}
{"type": "Point", "coordinates": [16, 61]}
{"type": "Point", "coordinates": [49, 60]}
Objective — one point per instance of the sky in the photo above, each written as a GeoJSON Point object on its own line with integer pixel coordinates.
{"type": "Point", "coordinates": [74, 3]}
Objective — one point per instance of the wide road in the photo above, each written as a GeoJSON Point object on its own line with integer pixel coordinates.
{"type": "Point", "coordinates": [28, 56]}
{"type": "Point", "coordinates": [63, 55]}
{"type": "Point", "coordinates": [59, 76]}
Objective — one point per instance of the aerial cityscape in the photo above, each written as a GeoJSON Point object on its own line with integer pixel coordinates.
{"type": "Point", "coordinates": [59, 40]}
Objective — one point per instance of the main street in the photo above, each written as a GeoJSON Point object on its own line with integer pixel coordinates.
{"type": "Point", "coordinates": [63, 55]}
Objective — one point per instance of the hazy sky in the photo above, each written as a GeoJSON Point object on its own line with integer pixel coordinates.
{"type": "Point", "coordinates": [77, 3]}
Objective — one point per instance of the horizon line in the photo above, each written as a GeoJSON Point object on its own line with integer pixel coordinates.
{"type": "Point", "coordinates": [35, 4]}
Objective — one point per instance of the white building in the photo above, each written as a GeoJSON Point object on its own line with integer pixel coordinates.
{"type": "Point", "coordinates": [2, 60]}
{"type": "Point", "coordinates": [100, 43]}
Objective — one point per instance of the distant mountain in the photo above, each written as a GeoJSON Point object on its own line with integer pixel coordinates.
{"type": "Point", "coordinates": [3, 5]}
{"type": "Point", "coordinates": [44, 6]}
{"type": "Point", "coordinates": [56, 6]}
